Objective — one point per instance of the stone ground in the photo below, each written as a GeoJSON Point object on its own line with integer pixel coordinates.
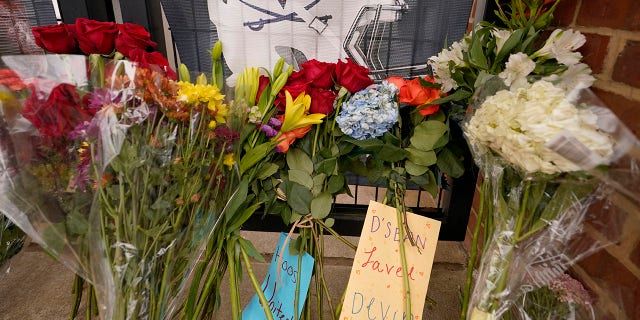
{"type": "Point", "coordinates": [36, 287]}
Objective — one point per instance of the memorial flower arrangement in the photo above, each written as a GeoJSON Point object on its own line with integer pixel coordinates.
{"type": "Point", "coordinates": [140, 183]}
{"type": "Point", "coordinates": [126, 175]}
{"type": "Point", "coordinates": [124, 183]}
{"type": "Point", "coordinates": [325, 120]}
{"type": "Point", "coordinates": [538, 141]}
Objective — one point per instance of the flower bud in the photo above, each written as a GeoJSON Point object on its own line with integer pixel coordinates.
{"type": "Point", "coordinates": [216, 51]}
{"type": "Point", "coordinates": [278, 67]}
{"type": "Point", "coordinates": [279, 83]}
{"type": "Point", "coordinates": [183, 71]}
{"type": "Point", "coordinates": [201, 79]}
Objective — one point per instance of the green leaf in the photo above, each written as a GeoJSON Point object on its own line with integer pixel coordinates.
{"type": "Point", "coordinates": [329, 222]}
{"type": "Point", "coordinates": [391, 139]}
{"type": "Point", "coordinates": [267, 170]}
{"type": "Point", "coordinates": [237, 220]}
{"type": "Point", "coordinates": [438, 116]}
{"type": "Point", "coordinates": [254, 155]}
{"type": "Point", "coordinates": [299, 198]}
{"type": "Point", "coordinates": [477, 57]}
{"type": "Point", "coordinates": [321, 205]}
{"type": "Point", "coordinates": [301, 177]}
{"type": "Point", "coordinates": [422, 158]}
{"type": "Point", "coordinates": [441, 142]}
{"type": "Point", "coordinates": [328, 166]}
{"type": "Point", "coordinates": [391, 153]}
{"type": "Point", "coordinates": [335, 184]}
{"type": "Point", "coordinates": [318, 183]}
{"type": "Point", "coordinates": [450, 163]}
{"type": "Point", "coordinates": [237, 199]}
{"type": "Point", "coordinates": [298, 160]}
{"type": "Point", "coordinates": [426, 84]}
{"type": "Point", "coordinates": [367, 144]}
{"type": "Point", "coordinates": [294, 217]}
{"type": "Point", "coordinates": [54, 237]}
{"type": "Point", "coordinates": [427, 182]}
{"type": "Point", "coordinates": [414, 169]}
{"type": "Point", "coordinates": [248, 247]}
{"type": "Point", "coordinates": [427, 134]}
{"type": "Point", "coordinates": [459, 95]}
{"type": "Point", "coordinates": [77, 224]}
{"type": "Point", "coordinates": [514, 39]}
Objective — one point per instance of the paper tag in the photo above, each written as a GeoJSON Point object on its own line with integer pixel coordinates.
{"type": "Point", "coordinates": [375, 289]}
{"type": "Point", "coordinates": [566, 145]}
{"type": "Point", "coordinates": [279, 286]}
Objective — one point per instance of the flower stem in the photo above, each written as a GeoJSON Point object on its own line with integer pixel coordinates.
{"type": "Point", "coordinates": [403, 259]}
{"type": "Point", "coordinates": [473, 253]}
{"type": "Point", "coordinates": [256, 285]}
{"type": "Point", "coordinates": [233, 280]}
{"type": "Point", "coordinates": [506, 261]}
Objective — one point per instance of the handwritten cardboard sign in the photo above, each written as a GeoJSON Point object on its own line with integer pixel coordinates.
{"type": "Point", "coordinates": [375, 289]}
{"type": "Point", "coordinates": [279, 286]}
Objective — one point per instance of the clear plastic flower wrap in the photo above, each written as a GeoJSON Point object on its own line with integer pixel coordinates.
{"type": "Point", "coordinates": [535, 200]}
{"type": "Point", "coordinates": [117, 174]}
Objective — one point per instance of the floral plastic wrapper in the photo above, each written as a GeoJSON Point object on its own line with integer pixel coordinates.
{"type": "Point", "coordinates": [534, 201]}
{"type": "Point", "coordinates": [115, 173]}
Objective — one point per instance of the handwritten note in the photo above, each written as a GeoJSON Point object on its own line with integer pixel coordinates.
{"type": "Point", "coordinates": [375, 288]}
{"type": "Point", "coordinates": [279, 286]}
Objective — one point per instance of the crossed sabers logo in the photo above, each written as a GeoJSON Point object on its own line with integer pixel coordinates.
{"type": "Point", "coordinates": [273, 17]}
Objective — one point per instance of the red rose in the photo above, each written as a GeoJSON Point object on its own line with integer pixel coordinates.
{"type": "Point", "coordinates": [296, 84]}
{"type": "Point", "coordinates": [352, 76]}
{"type": "Point", "coordinates": [297, 77]}
{"type": "Point", "coordinates": [57, 38]}
{"type": "Point", "coordinates": [322, 101]}
{"type": "Point", "coordinates": [147, 59]}
{"type": "Point", "coordinates": [319, 74]}
{"type": "Point", "coordinates": [96, 36]}
{"type": "Point", "coordinates": [294, 90]}
{"type": "Point", "coordinates": [59, 114]}
{"type": "Point", "coordinates": [263, 82]}
{"type": "Point", "coordinates": [133, 36]}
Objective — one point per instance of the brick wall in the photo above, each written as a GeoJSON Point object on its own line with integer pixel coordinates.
{"type": "Point", "coordinates": [612, 29]}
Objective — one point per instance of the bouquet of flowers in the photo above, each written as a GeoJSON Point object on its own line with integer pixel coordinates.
{"type": "Point", "coordinates": [125, 175]}
{"type": "Point", "coordinates": [527, 103]}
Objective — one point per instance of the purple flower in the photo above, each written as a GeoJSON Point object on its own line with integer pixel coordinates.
{"type": "Point", "coordinates": [268, 130]}
{"type": "Point", "coordinates": [275, 123]}
{"type": "Point", "coordinates": [100, 97]}
{"type": "Point", "coordinates": [84, 130]}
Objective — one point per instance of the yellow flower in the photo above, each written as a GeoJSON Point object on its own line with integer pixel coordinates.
{"type": "Point", "coordinates": [229, 160]}
{"type": "Point", "coordinates": [199, 93]}
{"type": "Point", "coordinates": [220, 111]}
{"type": "Point", "coordinates": [212, 124]}
{"type": "Point", "coordinates": [296, 113]}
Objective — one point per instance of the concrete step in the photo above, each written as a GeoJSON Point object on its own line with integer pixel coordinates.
{"type": "Point", "coordinates": [37, 287]}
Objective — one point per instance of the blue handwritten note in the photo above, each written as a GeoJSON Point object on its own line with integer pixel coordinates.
{"type": "Point", "coordinates": [279, 285]}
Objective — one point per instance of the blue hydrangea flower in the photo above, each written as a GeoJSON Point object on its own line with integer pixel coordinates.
{"type": "Point", "coordinates": [370, 112]}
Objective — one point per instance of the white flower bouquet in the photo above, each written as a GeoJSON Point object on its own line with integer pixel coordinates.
{"type": "Point", "coordinates": [544, 147]}
{"type": "Point", "coordinates": [539, 149]}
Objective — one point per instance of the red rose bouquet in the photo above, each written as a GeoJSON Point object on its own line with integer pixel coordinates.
{"type": "Point", "coordinates": [108, 39]}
